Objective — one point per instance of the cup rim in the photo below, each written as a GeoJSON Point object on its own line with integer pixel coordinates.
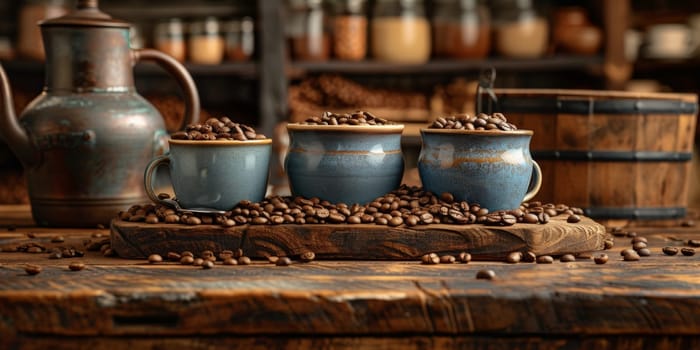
{"type": "Point", "coordinates": [220, 142]}
{"type": "Point", "coordinates": [477, 132]}
{"type": "Point", "coordinates": [364, 129]}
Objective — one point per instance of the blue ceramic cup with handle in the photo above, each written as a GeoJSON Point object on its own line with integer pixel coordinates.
{"type": "Point", "coordinates": [490, 167]}
{"type": "Point", "coordinates": [344, 163]}
{"type": "Point", "coordinates": [213, 175]}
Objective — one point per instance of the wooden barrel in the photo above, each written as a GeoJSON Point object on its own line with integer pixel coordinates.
{"type": "Point", "coordinates": [618, 155]}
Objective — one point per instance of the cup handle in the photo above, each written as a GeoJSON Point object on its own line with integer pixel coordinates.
{"type": "Point", "coordinates": [149, 175]}
{"type": "Point", "coordinates": [181, 75]}
{"type": "Point", "coordinates": [537, 176]}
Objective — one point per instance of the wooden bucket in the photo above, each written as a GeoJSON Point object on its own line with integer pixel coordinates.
{"type": "Point", "coordinates": [618, 155]}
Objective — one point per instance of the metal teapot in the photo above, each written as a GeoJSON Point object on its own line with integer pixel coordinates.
{"type": "Point", "coordinates": [86, 139]}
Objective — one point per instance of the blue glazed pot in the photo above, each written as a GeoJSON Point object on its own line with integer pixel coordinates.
{"type": "Point", "coordinates": [344, 163]}
{"type": "Point", "coordinates": [214, 175]}
{"type": "Point", "coordinates": [491, 168]}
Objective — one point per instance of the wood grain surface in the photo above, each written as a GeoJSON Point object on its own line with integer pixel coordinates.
{"type": "Point", "coordinates": [118, 303]}
{"type": "Point", "coordinates": [365, 241]}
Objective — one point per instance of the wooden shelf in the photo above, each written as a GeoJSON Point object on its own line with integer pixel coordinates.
{"type": "Point", "coordinates": [647, 64]}
{"type": "Point", "coordinates": [552, 63]}
{"type": "Point", "coordinates": [243, 69]}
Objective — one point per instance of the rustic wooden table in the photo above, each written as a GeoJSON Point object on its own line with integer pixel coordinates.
{"type": "Point", "coordinates": [116, 303]}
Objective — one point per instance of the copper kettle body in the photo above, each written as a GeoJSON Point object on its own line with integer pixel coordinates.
{"type": "Point", "coordinates": [85, 140]}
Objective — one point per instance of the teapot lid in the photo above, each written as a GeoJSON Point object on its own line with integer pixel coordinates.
{"type": "Point", "coordinates": [86, 14]}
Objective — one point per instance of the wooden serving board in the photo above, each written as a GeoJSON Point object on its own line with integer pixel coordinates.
{"type": "Point", "coordinates": [364, 241]}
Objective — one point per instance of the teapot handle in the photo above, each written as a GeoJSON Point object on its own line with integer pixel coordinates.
{"type": "Point", "coordinates": [183, 78]}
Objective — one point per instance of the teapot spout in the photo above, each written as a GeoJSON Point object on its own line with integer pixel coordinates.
{"type": "Point", "coordinates": [14, 134]}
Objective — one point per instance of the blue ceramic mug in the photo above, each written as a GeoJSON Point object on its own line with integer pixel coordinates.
{"type": "Point", "coordinates": [215, 175]}
{"type": "Point", "coordinates": [344, 163]}
{"type": "Point", "coordinates": [491, 168]}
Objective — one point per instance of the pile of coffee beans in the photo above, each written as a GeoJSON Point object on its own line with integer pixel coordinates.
{"type": "Point", "coordinates": [207, 259]}
{"type": "Point", "coordinates": [218, 129]}
{"type": "Point", "coordinates": [407, 206]}
{"type": "Point", "coordinates": [481, 121]}
{"type": "Point", "coordinates": [356, 118]}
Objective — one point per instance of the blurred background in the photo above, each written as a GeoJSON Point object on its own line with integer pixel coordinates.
{"type": "Point", "coordinates": [267, 62]}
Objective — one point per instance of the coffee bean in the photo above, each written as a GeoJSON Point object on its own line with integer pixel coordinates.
{"type": "Point", "coordinates": [226, 254]}
{"type": "Point", "coordinates": [57, 239]}
{"type": "Point", "coordinates": [572, 219]}
{"type": "Point", "coordinates": [688, 251]}
{"type": "Point", "coordinates": [545, 259]}
{"type": "Point", "coordinates": [244, 260]}
{"type": "Point", "coordinates": [601, 259]}
{"type": "Point", "coordinates": [395, 221]}
{"type": "Point", "coordinates": [307, 256]}
{"type": "Point", "coordinates": [187, 260]}
{"type": "Point", "coordinates": [447, 197]}
{"type": "Point", "coordinates": [464, 257]}
{"type": "Point", "coordinates": [447, 259]}
{"type": "Point", "coordinates": [109, 252]}
{"type": "Point", "coordinates": [35, 250]}
{"type": "Point", "coordinates": [633, 256]}
{"type": "Point", "coordinates": [608, 244]}
{"type": "Point", "coordinates": [688, 223]}
{"type": "Point", "coordinates": [530, 218]}
{"type": "Point", "coordinates": [193, 220]}
{"type": "Point", "coordinates": [32, 270]}
{"type": "Point", "coordinates": [639, 245]}
{"type": "Point", "coordinates": [206, 254]}
{"type": "Point", "coordinates": [237, 253]}
{"type": "Point", "coordinates": [155, 258]}
{"type": "Point", "coordinates": [172, 219]}
{"type": "Point", "coordinates": [230, 261]}
{"type": "Point", "coordinates": [670, 250]}
{"type": "Point", "coordinates": [354, 219]}
{"type": "Point", "coordinates": [485, 275]}
{"type": "Point", "coordinates": [187, 253]}
{"type": "Point", "coordinates": [514, 257]}
{"type": "Point", "coordinates": [631, 234]}
{"type": "Point", "coordinates": [208, 265]}
{"type": "Point", "coordinates": [528, 257]}
{"type": "Point", "coordinates": [283, 261]}
{"type": "Point", "coordinates": [198, 262]}
{"type": "Point", "coordinates": [627, 251]}
{"type": "Point", "coordinates": [430, 259]}
{"type": "Point", "coordinates": [639, 239]}
{"type": "Point", "coordinates": [644, 252]}
{"type": "Point", "coordinates": [76, 266]}
{"type": "Point", "coordinates": [55, 255]}
{"type": "Point", "coordinates": [567, 258]}
{"type": "Point", "coordinates": [172, 256]}
{"type": "Point", "coordinates": [694, 243]}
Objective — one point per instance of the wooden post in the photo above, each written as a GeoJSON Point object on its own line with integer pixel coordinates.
{"type": "Point", "coordinates": [273, 81]}
{"type": "Point", "coordinates": [617, 68]}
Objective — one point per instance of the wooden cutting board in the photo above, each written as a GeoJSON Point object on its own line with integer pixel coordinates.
{"type": "Point", "coordinates": [364, 241]}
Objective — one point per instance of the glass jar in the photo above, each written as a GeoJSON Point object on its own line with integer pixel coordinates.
{"type": "Point", "coordinates": [400, 31]}
{"type": "Point", "coordinates": [461, 29]}
{"type": "Point", "coordinates": [206, 45]}
{"type": "Point", "coordinates": [350, 30]}
{"type": "Point", "coordinates": [519, 30]}
{"type": "Point", "coordinates": [240, 39]}
{"type": "Point", "coordinates": [169, 37]}
{"type": "Point", "coordinates": [306, 28]}
{"type": "Point", "coordinates": [29, 43]}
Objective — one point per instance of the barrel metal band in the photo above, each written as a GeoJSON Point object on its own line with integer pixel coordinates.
{"type": "Point", "coordinates": [617, 156]}
{"type": "Point", "coordinates": [536, 104]}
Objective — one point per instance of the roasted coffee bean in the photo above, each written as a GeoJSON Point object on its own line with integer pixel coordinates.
{"type": "Point", "coordinates": [109, 252]}
{"type": "Point", "coordinates": [187, 253]}
{"type": "Point", "coordinates": [468, 122]}
{"type": "Point", "coordinates": [670, 250]}
{"type": "Point", "coordinates": [226, 254]}
{"type": "Point", "coordinates": [430, 259]}
{"type": "Point", "coordinates": [207, 264]}
{"type": "Point", "coordinates": [528, 257]}
{"type": "Point", "coordinates": [639, 239]}
{"type": "Point", "coordinates": [307, 256]}
{"type": "Point", "coordinates": [514, 257]}
{"type": "Point", "coordinates": [283, 261]}
{"type": "Point", "coordinates": [618, 231]}
{"type": "Point", "coordinates": [155, 258]}
{"type": "Point", "coordinates": [530, 218]}
{"type": "Point", "coordinates": [237, 253]}
{"type": "Point", "coordinates": [609, 244]}
{"type": "Point", "coordinates": [543, 218]}
{"type": "Point", "coordinates": [206, 254]}
{"type": "Point", "coordinates": [688, 223]}
{"type": "Point", "coordinates": [644, 252]}
{"type": "Point", "coordinates": [545, 259]}
{"type": "Point", "coordinates": [485, 275]}
{"type": "Point", "coordinates": [230, 261]}
{"type": "Point", "coordinates": [639, 245]}
{"type": "Point", "coordinates": [694, 243]}
{"type": "Point", "coordinates": [55, 255]}
{"type": "Point", "coordinates": [76, 266]}
{"type": "Point", "coordinates": [354, 219]}
{"type": "Point", "coordinates": [447, 197]}
{"type": "Point", "coordinates": [567, 258]}
{"type": "Point", "coordinates": [57, 239]}
{"type": "Point", "coordinates": [272, 259]}
{"type": "Point", "coordinates": [633, 256]}
{"type": "Point", "coordinates": [447, 259]}
{"type": "Point", "coordinates": [464, 257]}
{"type": "Point", "coordinates": [632, 234]}
{"type": "Point", "coordinates": [198, 262]}
{"type": "Point", "coordinates": [186, 260]}
{"type": "Point", "coordinates": [688, 251]}
{"type": "Point", "coordinates": [151, 219]}
{"type": "Point", "coordinates": [601, 259]}
{"type": "Point", "coordinates": [356, 118]}
{"type": "Point", "coordinates": [172, 256]}
{"type": "Point", "coordinates": [627, 251]}
{"type": "Point", "coordinates": [35, 250]}
{"type": "Point", "coordinates": [244, 260]}
{"type": "Point", "coordinates": [172, 219]}
{"type": "Point", "coordinates": [395, 221]}
{"type": "Point", "coordinates": [572, 219]}
{"type": "Point", "coordinates": [32, 269]}
{"type": "Point", "coordinates": [193, 220]}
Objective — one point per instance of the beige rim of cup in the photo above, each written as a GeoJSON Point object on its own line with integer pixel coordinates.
{"type": "Point", "coordinates": [478, 132]}
{"type": "Point", "coordinates": [220, 142]}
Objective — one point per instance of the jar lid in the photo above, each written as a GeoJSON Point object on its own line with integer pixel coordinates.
{"type": "Point", "coordinates": [86, 14]}
{"type": "Point", "coordinates": [207, 26]}
{"type": "Point", "coordinates": [244, 24]}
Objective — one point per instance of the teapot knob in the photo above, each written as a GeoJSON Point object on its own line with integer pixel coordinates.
{"type": "Point", "coordinates": [86, 4]}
